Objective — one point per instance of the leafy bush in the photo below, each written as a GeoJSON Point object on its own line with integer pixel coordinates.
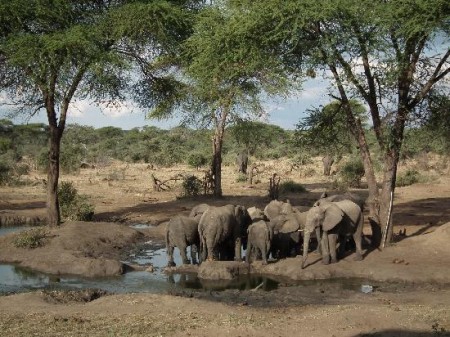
{"type": "Point", "coordinates": [31, 239]}
{"type": "Point", "coordinates": [192, 186]}
{"type": "Point", "coordinates": [241, 178]}
{"type": "Point", "coordinates": [72, 205]}
{"type": "Point", "coordinates": [5, 173]}
{"type": "Point", "coordinates": [352, 172]}
{"type": "Point", "coordinates": [410, 177]}
{"type": "Point", "coordinates": [290, 186]}
{"type": "Point", "coordinates": [196, 160]}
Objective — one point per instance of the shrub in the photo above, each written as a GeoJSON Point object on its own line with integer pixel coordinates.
{"type": "Point", "coordinates": [241, 178]}
{"type": "Point", "coordinates": [196, 160]}
{"type": "Point", "coordinates": [191, 186]}
{"type": "Point", "coordinates": [352, 172]}
{"type": "Point", "coordinates": [31, 239]}
{"type": "Point", "coordinates": [5, 173]}
{"type": "Point", "coordinates": [290, 186]}
{"type": "Point", "coordinates": [408, 178]}
{"type": "Point", "coordinates": [72, 205]}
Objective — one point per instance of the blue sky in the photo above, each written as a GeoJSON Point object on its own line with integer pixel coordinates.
{"type": "Point", "coordinates": [283, 112]}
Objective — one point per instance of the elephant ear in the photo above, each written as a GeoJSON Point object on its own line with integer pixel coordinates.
{"type": "Point", "coordinates": [333, 215]}
{"type": "Point", "coordinates": [290, 225]}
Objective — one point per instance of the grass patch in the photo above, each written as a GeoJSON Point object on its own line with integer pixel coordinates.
{"type": "Point", "coordinates": [291, 186]}
{"type": "Point", "coordinates": [31, 239]}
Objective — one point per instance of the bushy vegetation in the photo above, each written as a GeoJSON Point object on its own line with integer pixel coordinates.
{"type": "Point", "coordinates": [410, 177]}
{"type": "Point", "coordinates": [158, 147]}
{"type": "Point", "coordinates": [351, 172]}
{"type": "Point", "coordinates": [31, 239]}
{"type": "Point", "coordinates": [290, 186]}
{"type": "Point", "coordinates": [192, 186]}
{"type": "Point", "coordinates": [74, 206]}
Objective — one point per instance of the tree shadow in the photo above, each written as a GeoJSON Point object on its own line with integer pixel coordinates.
{"type": "Point", "coordinates": [405, 333]}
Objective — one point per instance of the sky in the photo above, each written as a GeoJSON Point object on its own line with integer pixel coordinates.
{"type": "Point", "coordinates": [285, 113]}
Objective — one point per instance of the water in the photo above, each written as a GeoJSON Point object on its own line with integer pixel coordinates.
{"type": "Point", "coordinates": [16, 279]}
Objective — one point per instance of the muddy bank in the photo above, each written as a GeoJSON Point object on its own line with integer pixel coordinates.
{"type": "Point", "coordinates": [75, 248]}
{"type": "Point", "coordinates": [94, 249]}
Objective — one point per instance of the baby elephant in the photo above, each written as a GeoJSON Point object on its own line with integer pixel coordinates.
{"type": "Point", "coordinates": [182, 231]}
{"type": "Point", "coordinates": [260, 236]}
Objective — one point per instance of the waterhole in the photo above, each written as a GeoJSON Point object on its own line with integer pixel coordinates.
{"type": "Point", "coordinates": [16, 279]}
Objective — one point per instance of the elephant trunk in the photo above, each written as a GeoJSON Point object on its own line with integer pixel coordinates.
{"type": "Point", "coordinates": [305, 248]}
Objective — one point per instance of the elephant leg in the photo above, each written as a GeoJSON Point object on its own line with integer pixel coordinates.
{"type": "Point", "coordinates": [183, 254]}
{"type": "Point", "coordinates": [332, 241]}
{"type": "Point", "coordinates": [319, 245]}
{"type": "Point", "coordinates": [202, 250]}
{"type": "Point", "coordinates": [264, 255]}
{"type": "Point", "coordinates": [170, 261]}
{"type": "Point", "coordinates": [237, 249]}
{"type": "Point", "coordinates": [248, 253]}
{"type": "Point", "coordinates": [325, 249]}
{"type": "Point", "coordinates": [194, 253]}
{"type": "Point", "coordinates": [357, 236]}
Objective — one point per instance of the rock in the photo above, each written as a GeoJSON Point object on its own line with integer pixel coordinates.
{"type": "Point", "coordinates": [222, 270]}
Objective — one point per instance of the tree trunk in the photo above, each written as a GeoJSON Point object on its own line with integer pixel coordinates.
{"type": "Point", "coordinates": [388, 188]}
{"type": "Point", "coordinates": [53, 214]}
{"type": "Point", "coordinates": [217, 162]}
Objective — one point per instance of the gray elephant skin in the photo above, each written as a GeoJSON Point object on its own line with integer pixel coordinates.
{"type": "Point", "coordinates": [182, 231]}
{"type": "Point", "coordinates": [288, 224]}
{"type": "Point", "coordinates": [338, 220]}
{"type": "Point", "coordinates": [242, 162]}
{"type": "Point", "coordinates": [222, 231]}
{"type": "Point", "coordinates": [260, 236]}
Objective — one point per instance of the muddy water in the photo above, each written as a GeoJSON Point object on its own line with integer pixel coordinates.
{"type": "Point", "coordinates": [17, 279]}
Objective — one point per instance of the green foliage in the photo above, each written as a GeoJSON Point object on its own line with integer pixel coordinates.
{"type": "Point", "coordinates": [410, 177]}
{"type": "Point", "coordinates": [290, 186]}
{"type": "Point", "coordinates": [241, 178]}
{"type": "Point", "coordinates": [197, 159]}
{"type": "Point", "coordinates": [5, 173]}
{"type": "Point", "coordinates": [326, 130]}
{"type": "Point", "coordinates": [352, 172]}
{"type": "Point", "coordinates": [192, 186]}
{"type": "Point", "coordinates": [31, 239]}
{"type": "Point", "coordinates": [72, 205]}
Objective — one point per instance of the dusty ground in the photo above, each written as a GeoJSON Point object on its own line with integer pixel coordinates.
{"type": "Point", "coordinates": [417, 304]}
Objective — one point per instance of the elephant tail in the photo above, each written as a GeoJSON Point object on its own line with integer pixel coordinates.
{"type": "Point", "coordinates": [167, 239]}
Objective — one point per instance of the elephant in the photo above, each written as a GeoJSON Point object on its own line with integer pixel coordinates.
{"type": "Point", "coordinates": [327, 163]}
{"type": "Point", "coordinates": [197, 211]}
{"type": "Point", "coordinates": [288, 223]}
{"type": "Point", "coordinates": [338, 219]}
{"type": "Point", "coordinates": [222, 231]}
{"type": "Point", "coordinates": [339, 197]}
{"type": "Point", "coordinates": [260, 236]}
{"type": "Point", "coordinates": [242, 162]}
{"type": "Point", "coordinates": [182, 231]}
{"type": "Point", "coordinates": [256, 214]}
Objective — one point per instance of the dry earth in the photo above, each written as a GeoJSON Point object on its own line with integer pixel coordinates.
{"type": "Point", "coordinates": [416, 304]}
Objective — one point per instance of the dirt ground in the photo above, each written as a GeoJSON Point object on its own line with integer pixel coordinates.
{"type": "Point", "coordinates": [411, 279]}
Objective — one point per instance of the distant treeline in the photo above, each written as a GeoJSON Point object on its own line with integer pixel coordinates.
{"type": "Point", "coordinates": [149, 144]}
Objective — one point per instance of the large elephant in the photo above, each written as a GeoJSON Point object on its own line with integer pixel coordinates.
{"type": "Point", "coordinates": [259, 240]}
{"type": "Point", "coordinates": [242, 162]}
{"type": "Point", "coordinates": [197, 211]}
{"type": "Point", "coordinates": [338, 219]}
{"type": "Point", "coordinates": [182, 231]}
{"type": "Point", "coordinates": [288, 223]}
{"type": "Point", "coordinates": [339, 197]}
{"type": "Point", "coordinates": [222, 228]}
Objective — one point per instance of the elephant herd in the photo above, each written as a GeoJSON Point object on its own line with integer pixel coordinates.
{"type": "Point", "coordinates": [280, 230]}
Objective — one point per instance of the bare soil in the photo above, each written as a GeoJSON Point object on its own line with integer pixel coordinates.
{"type": "Point", "coordinates": [411, 278]}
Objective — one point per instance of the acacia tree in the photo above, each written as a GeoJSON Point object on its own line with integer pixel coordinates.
{"type": "Point", "coordinates": [54, 51]}
{"type": "Point", "coordinates": [225, 72]}
{"type": "Point", "coordinates": [381, 52]}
